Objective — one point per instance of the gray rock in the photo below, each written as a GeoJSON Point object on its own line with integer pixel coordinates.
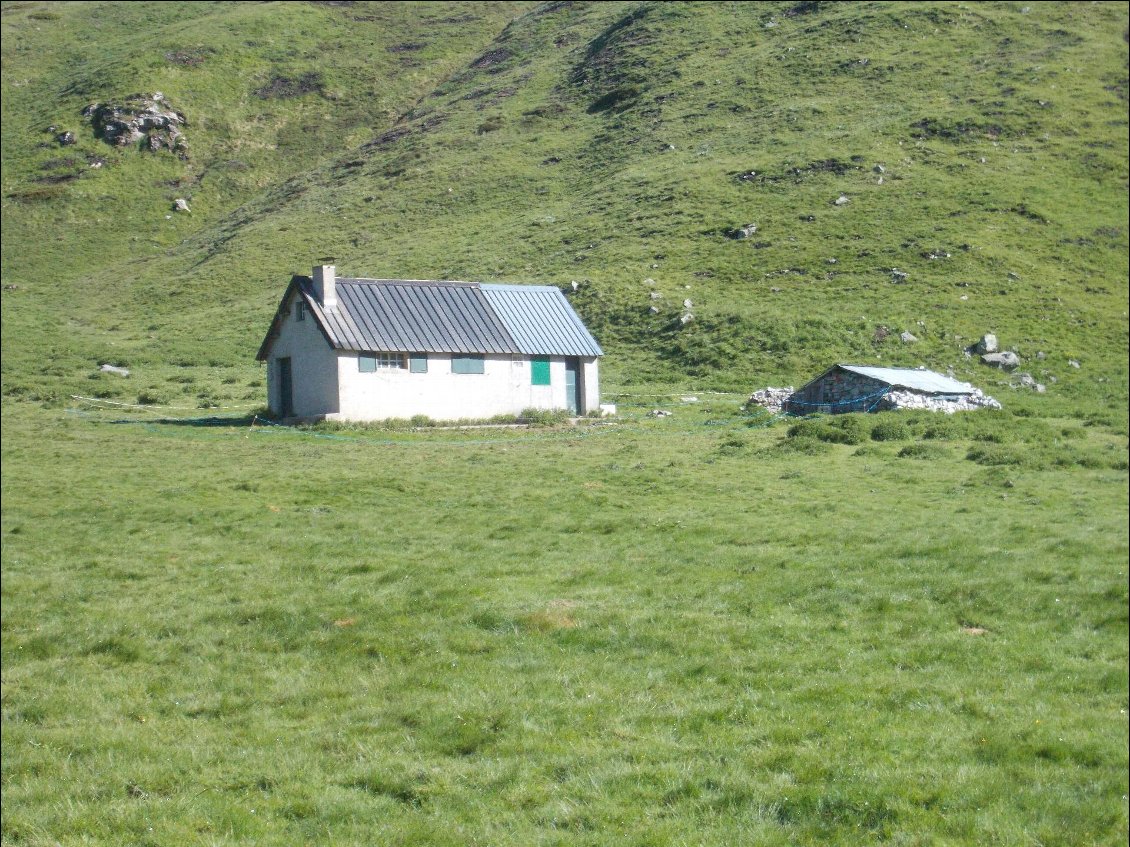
{"type": "Point", "coordinates": [842, 200]}
{"type": "Point", "coordinates": [1041, 355]}
{"type": "Point", "coordinates": [138, 117]}
{"type": "Point", "coordinates": [898, 276]}
{"type": "Point", "coordinates": [1006, 361]}
{"type": "Point", "coordinates": [114, 369]}
{"type": "Point", "coordinates": [775, 290]}
{"type": "Point", "coordinates": [906, 337]}
{"type": "Point", "coordinates": [66, 138]}
{"type": "Point", "coordinates": [1073, 363]}
{"type": "Point", "coordinates": [686, 319]}
{"type": "Point", "coordinates": [743, 231]}
{"type": "Point", "coordinates": [654, 310]}
{"type": "Point", "coordinates": [655, 295]}
{"type": "Point", "coordinates": [879, 169]}
{"type": "Point", "coordinates": [987, 344]}
{"type": "Point", "coordinates": [181, 205]}
{"type": "Point", "coordinates": [687, 304]}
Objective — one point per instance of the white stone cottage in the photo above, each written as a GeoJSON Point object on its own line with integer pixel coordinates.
{"type": "Point", "coordinates": [374, 349]}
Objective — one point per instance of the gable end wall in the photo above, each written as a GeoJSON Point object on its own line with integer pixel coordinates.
{"type": "Point", "coordinates": [313, 366]}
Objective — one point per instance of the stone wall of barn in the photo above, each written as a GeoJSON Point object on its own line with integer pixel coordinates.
{"type": "Point", "coordinates": [836, 392]}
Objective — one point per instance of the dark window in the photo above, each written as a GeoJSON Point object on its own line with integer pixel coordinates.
{"type": "Point", "coordinates": [300, 311]}
{"type": "Point", "coordinates": [467, 364]}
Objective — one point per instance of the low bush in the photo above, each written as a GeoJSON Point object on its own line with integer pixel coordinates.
{"type": "Point", "coordinates": [890, 429]}
{"type": "Point", "coordinates": [544, 417]}
{"type": "Point", "coordinates": [919, 450]}
{"type": "Point", "coordinates": [841, 429]}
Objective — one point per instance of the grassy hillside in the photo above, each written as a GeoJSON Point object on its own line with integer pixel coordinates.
{"type": "Point", "coordinates": [617, 143]}
{"type": "Point", "coordinates": [714, 628]}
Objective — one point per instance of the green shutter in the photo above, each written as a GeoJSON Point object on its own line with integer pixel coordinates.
{"type": "Point", "coordinates": [418, 363]}
{"type": "Point", "coordinates": [539, 371]}
{"type": "Point", "coordinates": [467, 365]}
{"type": "Point", "coordinates": [366, 363]}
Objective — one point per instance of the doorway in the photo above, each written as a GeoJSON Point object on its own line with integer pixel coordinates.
{"type": "Point", "coordinates": [286, 388]}
{"type": "Point", "coordinates": [574, 386]}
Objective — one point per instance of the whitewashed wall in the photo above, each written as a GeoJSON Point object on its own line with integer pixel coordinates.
{"type": "Point", "coordinates": [313, 367]}
{"type": "Point", "coordinates": [504, 388]}
{"type": "Point", "coordinates": [590, 370]}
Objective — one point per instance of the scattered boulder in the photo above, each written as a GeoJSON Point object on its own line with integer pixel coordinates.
{"type": "Point", "coordinates": [1006, 361]}
{"type": "Point", "coordinates": [1026, 380]}
{"type": "Point", "coordinates": [659, 413]}
{"type": "Point", "coordinates": [906, 337]}
{"type": "Point", "coordinates": [66, 138]}
{"type": "Point", "coordinates": [654, 310]}
{"type": "Point", "coordinates": [898, 276]}
{"type": "Point", "coordinates": [743, 231]}
{"type": "Point", "coordinates": [987, 344]}
{"type": "Point", "coordinates": [686, 319]}
{"type": "Point", "coordinates": [842, 200]}
{"type": "Point", "coordinates": [1074, 363]}
{"type": "Point", "coordinates": [879, 169]}
{"type": "Point", "coordinates": [687, 304]}
{"type": "Point", "coordinates": [181, 205]}
{"type": "Point", "coordinates": [655, 295]}
{"type": "Point", "coordinates": [114, 369]}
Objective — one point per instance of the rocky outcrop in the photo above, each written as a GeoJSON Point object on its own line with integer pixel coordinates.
{"type": "Point", "coordinates": [147, 120]}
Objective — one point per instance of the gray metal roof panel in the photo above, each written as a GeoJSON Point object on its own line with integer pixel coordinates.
{"type": "Point", "coordinates": [912, 378]}
{"type": "Point", "coordinates": [411, 316]}
{"type": "Point", "coordinates": [540, 320]}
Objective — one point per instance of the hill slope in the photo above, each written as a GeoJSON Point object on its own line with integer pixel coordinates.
{"type": "Point", "coordinates": [981, 152]}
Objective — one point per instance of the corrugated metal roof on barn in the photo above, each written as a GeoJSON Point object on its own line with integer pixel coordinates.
{"type": "Point", "coordinates": [408, 316]}
{"type": "Point", "coordinates": [540, 320]}
{"type": "Point", "coordinates": [912, 378]}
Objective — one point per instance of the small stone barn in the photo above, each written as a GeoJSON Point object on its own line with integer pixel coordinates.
{"type": "Point", "coordinates": [373, 349]}
{"type": "Point", "coordinates": [862, 388]}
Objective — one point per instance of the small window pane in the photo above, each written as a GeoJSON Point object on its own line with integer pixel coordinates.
{"type": "Point", "coordinates": [390, 361]}
{"type": "Point", "coordinates": [467, 365]}
{"type": "Point", "coordinates": [366, 363]}
{"type": "Point", "coordinates": [539, 371]}
{"type": "Point", "coordinates": [418, 363]}
{"type": "Point", "coordinates": [300, 311]}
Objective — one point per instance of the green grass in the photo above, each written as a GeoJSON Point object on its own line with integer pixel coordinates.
{"type": "Point", "coordinates": [713, 628]}
{"type": "Point", "coordinates": [611, 634]}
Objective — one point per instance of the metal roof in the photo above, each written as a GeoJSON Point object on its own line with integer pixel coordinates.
{"type": "Point", "coordinates": [540, 320]}
{"type": "Point", "coordinates": [423, 316]}
{"type": "Point", "coordinates": [912, 378]}
{"type": "Point", "coordinates": [401, 316]}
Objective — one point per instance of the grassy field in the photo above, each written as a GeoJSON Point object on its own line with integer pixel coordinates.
{"type": "Point", "coordinates": [708, 629]}
{"type": "Point", "coordinates": [679, 631]}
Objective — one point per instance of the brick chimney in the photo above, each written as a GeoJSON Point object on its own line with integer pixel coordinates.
{"type": "Point", "coordinates": [325, 287]}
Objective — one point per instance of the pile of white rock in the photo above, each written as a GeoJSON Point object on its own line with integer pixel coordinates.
{"type": "Point", "coordinates": [962, 403]}
{"type": "Point", "coordinates": [772, 399]}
